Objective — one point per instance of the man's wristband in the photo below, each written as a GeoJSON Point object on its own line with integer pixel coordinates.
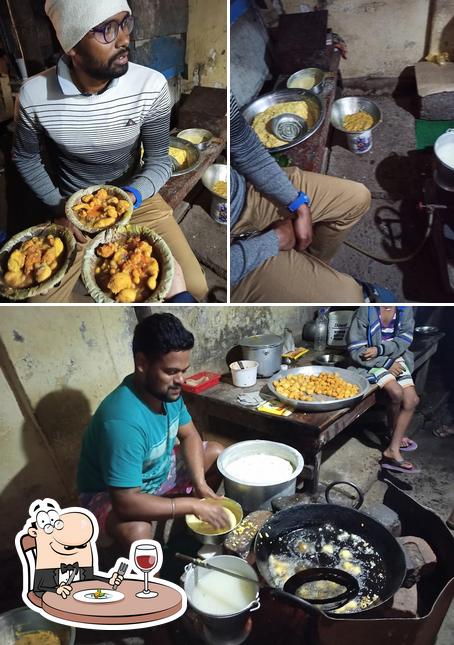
{"type": "Point", "coordinates": [136, 194]}
{"type": "Point", "coordinates": [299, 201]}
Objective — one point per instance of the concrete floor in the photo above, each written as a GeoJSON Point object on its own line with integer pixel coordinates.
{"type": "Point", "coordinates": [393, 226]}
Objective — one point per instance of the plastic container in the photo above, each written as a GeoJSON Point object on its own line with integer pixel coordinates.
{"type": "Point", "coordinates": [244, 377]}
{"type": "Point", "coordinates": [201, 381]}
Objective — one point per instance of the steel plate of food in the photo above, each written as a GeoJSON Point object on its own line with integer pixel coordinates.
{"type": "Point", "coordinates": [304, 103]}
{"type": "Point", "coordinates": [319, 389]}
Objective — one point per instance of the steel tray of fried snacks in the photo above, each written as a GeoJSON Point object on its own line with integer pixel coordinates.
{"type": "Point", "coordinates": [320, 402]}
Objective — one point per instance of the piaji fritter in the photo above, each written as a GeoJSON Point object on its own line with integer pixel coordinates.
{"type": "Point", "coordinates": [301, 387]}
{"type": "Point", "coordinates": [35, 261]}
{"type": "Point", "coordinates": [358, 122]}
{"type": "Point", "coordinates": [127, 271]}
{"type": "Point", "coordinates": [100, 209]}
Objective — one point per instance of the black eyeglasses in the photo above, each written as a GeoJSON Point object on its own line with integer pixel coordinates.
{"type": "Point", "coordinates": [108, 33]}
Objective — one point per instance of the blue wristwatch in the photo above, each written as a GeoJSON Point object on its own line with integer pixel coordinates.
{"type": "Point", "coordinates": [136, 194]}
{"type": "Point", "coordinates": [301, 199]}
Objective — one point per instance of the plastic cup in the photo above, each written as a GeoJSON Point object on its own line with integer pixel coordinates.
{"type": "Point", "coordinates": [244, 377]}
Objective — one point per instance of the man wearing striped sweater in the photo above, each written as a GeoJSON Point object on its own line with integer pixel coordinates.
{"type": "Point", "coordinates": [378, 343]}
{"type": "Point", "coordinates": [84, 123]}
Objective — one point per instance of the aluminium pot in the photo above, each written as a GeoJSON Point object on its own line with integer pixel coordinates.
{"type": "Point", "coordinates": [221, 626]}
{"type": "Point", "coordinates": [266, 349]}
{"type": "Point", "coordinates": [444, 155]}
{"type": "Point", "coordinates": [251, 496]}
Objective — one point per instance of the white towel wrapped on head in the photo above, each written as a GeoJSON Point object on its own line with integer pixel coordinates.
{"type": "Point", "coordinates": [73, 19]}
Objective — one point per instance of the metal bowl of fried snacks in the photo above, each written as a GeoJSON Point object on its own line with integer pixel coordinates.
{"type": "Point", "coordinates": [199, 137]}
{"type": "Point", "coordinates": [128, 264]}
{"type": "Point", "coordinates": [302, 102]}
{"type": "Point", "coordinates": [98, 208]}
{"type": "Point", "coordinates": [35, 260]}
{"type": "Point", "coordinates": [184, 156]}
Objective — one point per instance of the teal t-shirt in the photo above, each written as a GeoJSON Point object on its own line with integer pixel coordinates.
{"type": "Point", "coordinates": [127, 445]}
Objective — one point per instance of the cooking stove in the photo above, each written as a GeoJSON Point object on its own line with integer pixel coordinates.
{"type": "Point", "coordinates": [279, 623]}
{"type": "Point", "coordinates": [438, 203]}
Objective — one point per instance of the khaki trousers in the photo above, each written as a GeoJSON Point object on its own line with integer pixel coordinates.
{"type": "Point", "coordinates": [156, 214]}
{"type": "Point", "coordinates": [336, 206]}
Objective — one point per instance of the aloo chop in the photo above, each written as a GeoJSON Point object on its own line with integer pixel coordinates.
{"type": "Point", "coordinates": [99, 207]}
{"type": "Point", "coordinates": [127, 270]}
{"type": "Point", "coordinates": [34, 262]}
{"type": "Point", "coordinates": [301, 387]}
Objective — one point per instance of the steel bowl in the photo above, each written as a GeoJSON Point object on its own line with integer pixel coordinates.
{"type": "Point", "coordinates": [351, 105]}
{"type": "Point", "coordinates": [193, 158]}
{"type": "Point", "coordinates": [219, 538]}
{"type": "Point", "coordinates": [216, 172]}
{"type": "Point", "coordinates": [303, 76]}
{"type": "Point", "coordinates": [322, 403]}
{"type": "Point", "coordinates": [426, 330]}
{"type": "Point", "coordinates": [328, 359]}
{"type": "Point", "coordinates": [283, 96]}
{"type": "Point", "coordinates": [21, 621]}
{"type": "Point", "coordinates": [258, 496]}
{"type": "Point", "coordinates": [205, 137]}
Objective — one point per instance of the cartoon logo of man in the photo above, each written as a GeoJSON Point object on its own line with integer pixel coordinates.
{"type": "Point", "coordinates": [64, 549]}
{"type": "Point", "coordinates": [62, 546]}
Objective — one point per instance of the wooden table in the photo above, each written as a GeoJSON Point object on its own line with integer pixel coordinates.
{"type": "Point", "coordinates": [130, 610]}
{"type": "Point", "coordinates": [176, 189]}
{"type": "Point", "coordinates": [216, 411]}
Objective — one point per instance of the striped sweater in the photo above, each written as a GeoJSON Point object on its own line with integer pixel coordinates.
{"type": "Point", "coordinates": [66, 140]}
{"type": "Point", "coordinates": [251, 161]}
{"type": "Point", "coordinates": [365, 331]}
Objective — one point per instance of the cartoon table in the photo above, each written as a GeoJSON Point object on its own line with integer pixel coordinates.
{"type": "Point", "coordinates": [127, 611]}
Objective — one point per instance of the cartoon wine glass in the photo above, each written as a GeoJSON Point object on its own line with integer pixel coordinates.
{"type": "Point", "coordinates": [146, 559]}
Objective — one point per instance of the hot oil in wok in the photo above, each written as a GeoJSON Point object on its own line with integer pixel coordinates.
{"type": "Point", "coordinates": [329, 546]}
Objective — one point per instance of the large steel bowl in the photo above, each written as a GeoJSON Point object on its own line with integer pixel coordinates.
{"type": "Point", "coordinates": [351, 105]}
{"type": "Point", "coordinates": [252, 496]}
{"type": "Point", "coordinates": [20, 621]}
{"type": "Point", "coordinates": [322, 403]}
{"type": "Point", "coordinates": [283, 96]}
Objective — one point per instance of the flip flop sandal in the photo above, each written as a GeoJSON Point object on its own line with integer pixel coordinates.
{"type": "Point", "coordinates": [412, 445]}
{"type": "Point", "coordinates": [396, 466]}
{"type": "Point", "coordinates": [444, 432]}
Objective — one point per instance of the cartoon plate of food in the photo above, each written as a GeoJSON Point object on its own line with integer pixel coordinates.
{"type": "Point", "coordinates": [97, 596]}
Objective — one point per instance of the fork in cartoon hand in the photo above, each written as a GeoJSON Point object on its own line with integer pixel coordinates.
{"type": "Point", "coordinates": [121, 572]}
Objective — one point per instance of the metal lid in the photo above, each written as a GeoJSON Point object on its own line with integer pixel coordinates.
{"type": "Point", "coordinates": [262, 340]}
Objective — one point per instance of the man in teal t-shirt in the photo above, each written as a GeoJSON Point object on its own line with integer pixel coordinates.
{"type": "Point", "coordinates": [131, 471]}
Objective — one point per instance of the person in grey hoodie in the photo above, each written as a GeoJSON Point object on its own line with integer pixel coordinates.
{"type": "Point", "coordinates": [378, 343]}
{"type": "Point", "coordinates": [287, 226]}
